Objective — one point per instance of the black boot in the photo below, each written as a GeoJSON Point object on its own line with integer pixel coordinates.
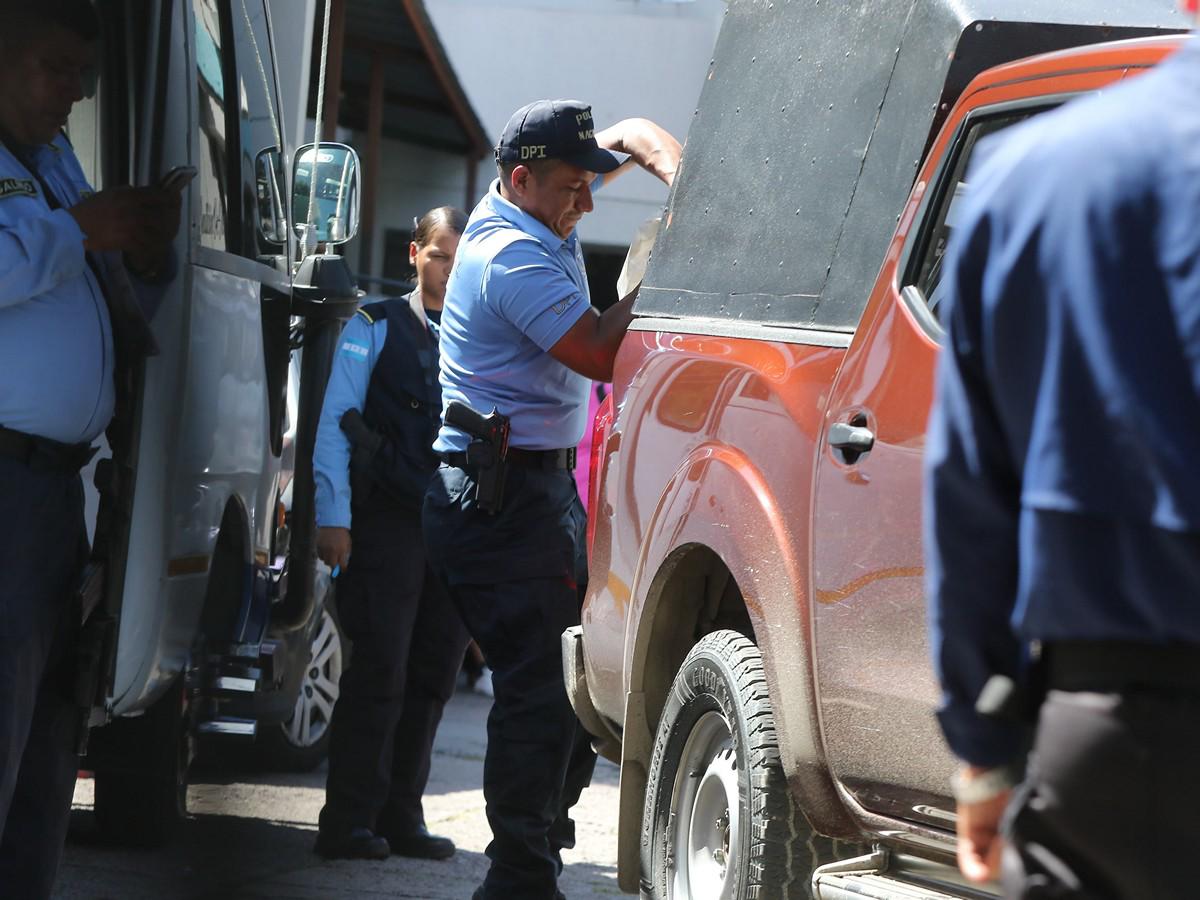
{"type": "Point", "coordinates": [357, 843]}
{"type": "Point", "coordinates": [419, 844]}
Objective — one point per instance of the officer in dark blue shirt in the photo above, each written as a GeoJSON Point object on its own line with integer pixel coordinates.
{"type": "Point", "coordinates": [69, 319]}
{"type": "Point", "coordinates": [1063, 494]}
{"type": "Point", "coordinates": [373, 459]}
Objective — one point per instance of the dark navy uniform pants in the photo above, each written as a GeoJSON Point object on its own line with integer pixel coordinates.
{"type": "Point", "coordinates": [1108, 806]}
{"type": "Point", "coordinates": [517, 579]}
{"type": "Point", "coordinates": [43, 546]}
{"type": "Point", "coordinates": [407, 643]}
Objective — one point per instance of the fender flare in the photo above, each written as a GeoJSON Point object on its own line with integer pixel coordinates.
{"type": "Point", "coordinates": [774, 587]}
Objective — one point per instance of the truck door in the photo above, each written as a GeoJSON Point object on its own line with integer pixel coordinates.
{"type": "Point", "coordinates": [878, 691]}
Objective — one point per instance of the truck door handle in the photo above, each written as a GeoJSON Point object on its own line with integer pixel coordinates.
{"type": "Point", "coordinates": [852, 439]}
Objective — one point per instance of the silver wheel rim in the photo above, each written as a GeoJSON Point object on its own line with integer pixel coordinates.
{"type": "Point", "coordinates": [705, 831]}
{"type": "Point", "coordinates": [319, 689]}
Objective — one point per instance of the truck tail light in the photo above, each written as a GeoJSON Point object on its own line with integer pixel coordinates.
{"type": "Point", "coordinates": [600, 426]}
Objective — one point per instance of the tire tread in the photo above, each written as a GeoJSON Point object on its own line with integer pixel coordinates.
{"type": "Point", "coordinates": [783, 849]}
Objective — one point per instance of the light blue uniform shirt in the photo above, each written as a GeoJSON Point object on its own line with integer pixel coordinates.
{"type": "Point", "coordinates": [358, 352]}
{"type": "Point", "coordinates": [515, 290]}
{"type": "Point", "coordinates": [56, 346]}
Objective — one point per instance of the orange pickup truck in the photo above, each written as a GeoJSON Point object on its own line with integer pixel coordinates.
{"type": "Point", "coordinates": [753, 648]}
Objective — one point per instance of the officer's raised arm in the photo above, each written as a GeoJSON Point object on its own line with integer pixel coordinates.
{"type": "Point", "coordinates": [591, 345]}
{"type": "Point", "coordinates": [649, 145]}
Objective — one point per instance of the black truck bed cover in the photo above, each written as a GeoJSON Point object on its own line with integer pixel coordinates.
{"type": "Point", "coordinates": [811, 126]}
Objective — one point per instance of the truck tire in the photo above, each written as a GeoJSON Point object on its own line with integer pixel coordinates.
{"type": "Point", "coordinates": [141, 773]}
{"type": "Point", "coordinates": [301, 743]}
{"type": "Point", "coordinates": [719, 821]}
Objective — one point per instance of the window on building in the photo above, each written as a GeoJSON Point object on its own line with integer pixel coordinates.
{"type": "Point", "coordinates": [395, 259]}
{"type": "Point", "coordinates": [603, 269]}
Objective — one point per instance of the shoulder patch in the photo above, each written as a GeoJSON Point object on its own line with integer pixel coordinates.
{"type": "Point", "coordinates": [17, 187]}
{"type": "Point", "coordinates": [354, 351]}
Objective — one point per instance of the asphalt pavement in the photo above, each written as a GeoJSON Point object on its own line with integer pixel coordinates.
{"type": "Point", "coordinates": [249, 836]}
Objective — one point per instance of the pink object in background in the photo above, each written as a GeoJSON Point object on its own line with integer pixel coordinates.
{"type": "Point", "coordinates": [583, 455]}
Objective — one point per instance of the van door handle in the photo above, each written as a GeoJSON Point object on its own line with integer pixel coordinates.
{"type": "Point", "coordinates": [851, 438]}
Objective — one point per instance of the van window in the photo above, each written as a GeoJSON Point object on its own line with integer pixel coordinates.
{"type": "Point", "coordinates": [946, 209]}
{"type": "Point", "coordinates": [263, 224]}
{"type": "Point", "coordinates": [211, 70]}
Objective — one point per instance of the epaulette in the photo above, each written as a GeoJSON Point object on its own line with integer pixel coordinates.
{"type": "Point", "coordinates": [374, 313]}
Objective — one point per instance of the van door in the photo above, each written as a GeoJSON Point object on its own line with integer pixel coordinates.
{"type": "Point", "coordinates": [229, 405]}
{"type": "Point", "coordinates": [238, 360]}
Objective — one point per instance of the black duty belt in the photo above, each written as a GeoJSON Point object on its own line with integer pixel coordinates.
{"type": "Point", "coordinates": [548, 460]}
{"type": "Point", "coordinates": [43, 453]}
{"type": "Point", "coordinates": [1121, 665]}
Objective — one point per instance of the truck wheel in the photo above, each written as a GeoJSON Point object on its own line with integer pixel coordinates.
{"type": "Point", "coordinates": [141, 773]}
{"type": "Point", "coordinates": [302, 742]}
{"type": "Point", "coordinates": [719, 822]}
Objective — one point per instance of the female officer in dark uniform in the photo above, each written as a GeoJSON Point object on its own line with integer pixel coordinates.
{"type": "Point", "coordinates": [372, 461]}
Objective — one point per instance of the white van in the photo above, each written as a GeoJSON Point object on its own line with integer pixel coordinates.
{"type": "Point", "coordinates": [200, 629]}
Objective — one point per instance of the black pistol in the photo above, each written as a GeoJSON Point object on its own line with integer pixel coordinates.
{"type": "Point", "coordinates": [364, 445]}
{"type": "Point", "coordinates": [362, 438]}
{"type": "Point", "coordinates": [486, 453]}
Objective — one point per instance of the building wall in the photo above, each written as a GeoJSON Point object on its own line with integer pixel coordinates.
{"type": "Point", "coordinates": [413, 181]}
{"type": "Point", "coordinates": [624, 57]}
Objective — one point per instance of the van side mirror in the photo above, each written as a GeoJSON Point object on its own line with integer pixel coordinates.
{"type": "Point", "coordinates": [325, 193]}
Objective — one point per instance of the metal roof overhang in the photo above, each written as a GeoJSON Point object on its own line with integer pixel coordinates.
{"type": "Point", "coordinates": [423, 102]}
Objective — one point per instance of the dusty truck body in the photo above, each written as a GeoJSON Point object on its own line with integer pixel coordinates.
{"type": "Point", "coordinates": [752, 648]}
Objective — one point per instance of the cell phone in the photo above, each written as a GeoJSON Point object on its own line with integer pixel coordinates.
{"type": "Point", "coordinates": [177, 178]}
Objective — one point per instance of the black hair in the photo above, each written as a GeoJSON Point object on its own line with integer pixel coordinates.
{"type": "Point", "coordinates": [22, 17]}
{"type": "Point", "coordinates": [538, 167]}
{"type": "Point", "coordinates": [440, 217]}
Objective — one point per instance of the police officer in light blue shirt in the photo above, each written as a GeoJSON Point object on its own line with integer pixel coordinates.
{"type": "Point", "coordinates": [519, 335]}
{"type": "Point", "coordinates": [67, 308]}
{"type": "Point", "coordinates": [501, 346]}
{"type": "Point", "coordinates": [372, 462]}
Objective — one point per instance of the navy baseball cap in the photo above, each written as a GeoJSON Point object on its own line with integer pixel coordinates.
{"type": "Point", "coordinates": [554, 129]}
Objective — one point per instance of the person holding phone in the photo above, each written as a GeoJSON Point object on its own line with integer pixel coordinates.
{"type": "Point", "coordinates": [70, 317]}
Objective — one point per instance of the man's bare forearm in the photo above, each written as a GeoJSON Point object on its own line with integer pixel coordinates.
{"type": "Point", "coordinates": [649, 145]}
{"type": "Point", "coordinates": [591, 345]}
{"type": "Point", "coordinates": [613, 324]}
